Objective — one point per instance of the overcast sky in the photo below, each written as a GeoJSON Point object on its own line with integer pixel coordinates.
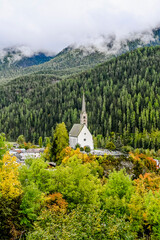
{"type": "Point", "coordinates": [54, 24]}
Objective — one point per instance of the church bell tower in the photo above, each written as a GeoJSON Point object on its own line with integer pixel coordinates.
{"type": "Point", "coordinates": [83, 115]}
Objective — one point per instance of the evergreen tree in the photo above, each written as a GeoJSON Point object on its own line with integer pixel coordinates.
{"type": "Point", "coordinates": [40, 142]}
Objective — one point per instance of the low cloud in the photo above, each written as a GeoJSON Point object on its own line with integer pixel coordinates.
{"type": "Point", "coordinates": [113, 44]}
{"type": "Point", "coordinates": [51, 25]}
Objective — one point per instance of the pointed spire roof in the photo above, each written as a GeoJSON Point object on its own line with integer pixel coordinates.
{"type": "Point", "coordinates": [83, 104]}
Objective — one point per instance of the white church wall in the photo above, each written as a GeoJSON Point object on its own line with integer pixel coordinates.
{"type": "Point", "coordinates": [73, 141]}
{"type": "Point", "coordinates": [85, 138]}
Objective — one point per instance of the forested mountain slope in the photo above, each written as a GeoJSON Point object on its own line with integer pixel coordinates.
{"type": "Point", "coordinates": [122, 95]}
{"type": "Point", "coordinates": [67, 62]}
{"type": "Point", "coordinates": [72, 60]}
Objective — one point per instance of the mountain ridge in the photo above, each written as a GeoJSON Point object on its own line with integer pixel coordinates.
{"type": "Point", "coordinates": [74, 59]}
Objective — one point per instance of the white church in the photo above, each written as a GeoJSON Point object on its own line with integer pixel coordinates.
{"type": "Point", "coordinates": [79, 133]}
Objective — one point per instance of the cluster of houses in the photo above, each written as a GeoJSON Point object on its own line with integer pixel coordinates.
{"type": "Point", "coordinates": [22, 154]}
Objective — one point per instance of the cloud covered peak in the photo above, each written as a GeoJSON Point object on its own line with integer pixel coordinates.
{"type": "Point", "coordinates": [53, 25]}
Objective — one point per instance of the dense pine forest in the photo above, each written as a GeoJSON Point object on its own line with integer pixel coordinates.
{"type": "Point", "coordinates": [122, 95]}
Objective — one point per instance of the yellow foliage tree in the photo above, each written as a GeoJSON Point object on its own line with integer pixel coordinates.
{"type": "Point", "coordinates": [10, 186]}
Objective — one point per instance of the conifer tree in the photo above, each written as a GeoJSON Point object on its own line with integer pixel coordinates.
{"type": "Point", "coordinates": [40, 142]}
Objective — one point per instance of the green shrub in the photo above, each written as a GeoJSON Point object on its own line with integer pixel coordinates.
{"type": "Point", "coordinates": [77, 146]}
{"type": "Point", "coordinates": [126, 149]}
{"type": "Point", "coordinates": [110, 146]}
{"type": "Point", "coordinates": [87, 149]}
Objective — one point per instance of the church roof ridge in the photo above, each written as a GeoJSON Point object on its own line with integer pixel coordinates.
{"type": "Point", "coordinates": [76, 129]}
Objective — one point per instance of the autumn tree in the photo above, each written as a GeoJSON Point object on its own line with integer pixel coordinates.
{"type": "Point", "coordinates": [55, 202]}
{"type": "Point", "coordinates": [10, 186]}
{"type": "Point", "coordinates": [10, 198]}
{"type": "Point", "coordinates": [147, 182]}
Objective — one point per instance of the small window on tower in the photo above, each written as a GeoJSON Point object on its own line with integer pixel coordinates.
{"type": "Point", "coordinates": [84, 133]}
{"type": "Point", "coordinates": [84, 139]}
{"type": "Point", "coordinates": [84, 117]}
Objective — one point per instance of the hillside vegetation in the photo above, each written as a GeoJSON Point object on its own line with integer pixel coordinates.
{"type": "Point", "coordinates": [122, 95]}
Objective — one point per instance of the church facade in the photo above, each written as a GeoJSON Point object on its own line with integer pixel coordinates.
{"type": "Point", "coordinates": [79, 134]}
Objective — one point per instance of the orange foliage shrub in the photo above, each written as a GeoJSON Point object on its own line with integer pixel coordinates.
{"type": "Point", "coordinates": [56, 203]}
{"type": "Point", "coordinates": [143, 159]}
{"type": "Point", "coordinates": [150, 181]}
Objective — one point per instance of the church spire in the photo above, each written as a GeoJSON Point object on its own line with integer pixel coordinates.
{"type": "Point", "coordinates": [83, 115]}
{"type": "Point", "coordinates": [83, 104]}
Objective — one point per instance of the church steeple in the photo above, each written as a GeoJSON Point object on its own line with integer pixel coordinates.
{"type": "Point", "coordinates": [83, 104]}
{"type": "Point", "coordinates": [83, 116]}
